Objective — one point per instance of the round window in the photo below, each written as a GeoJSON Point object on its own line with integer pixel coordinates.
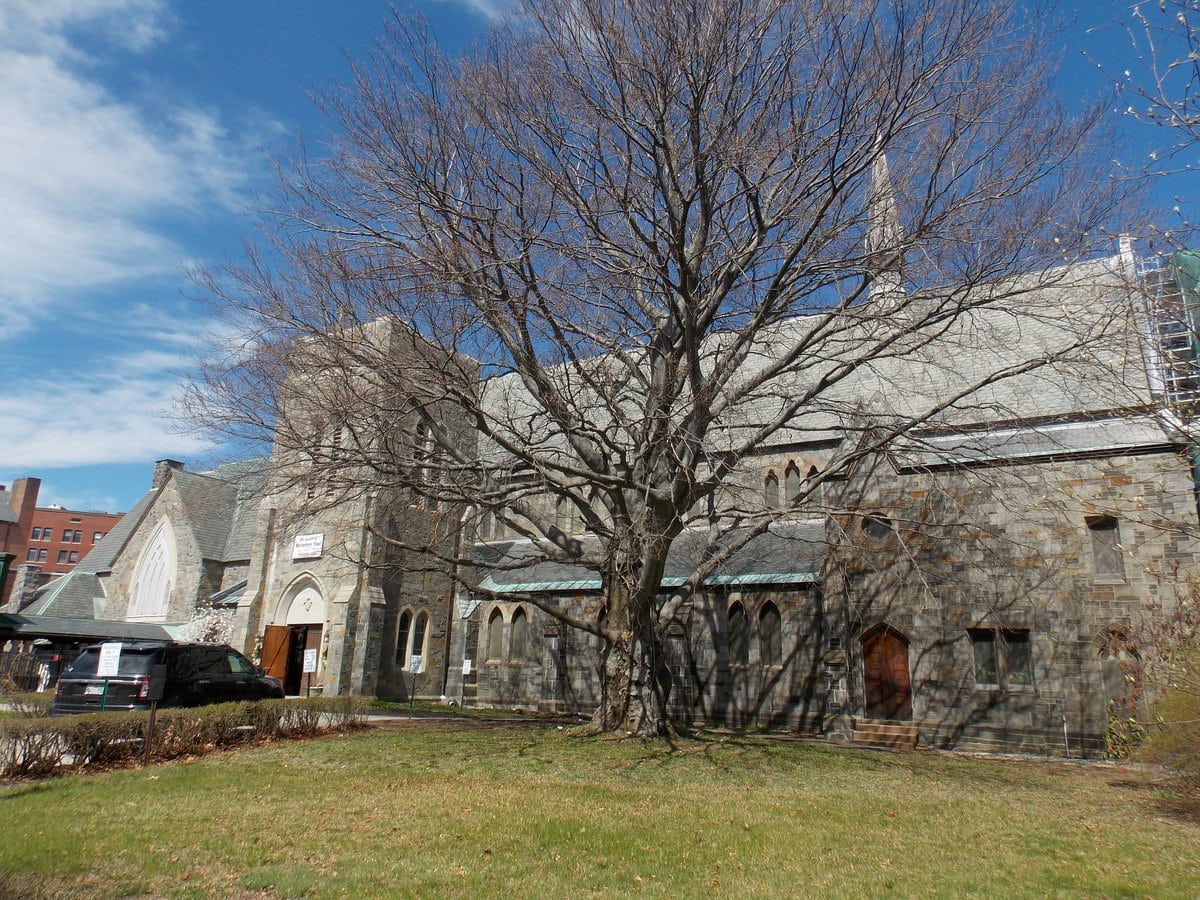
{"type": "Point", "coordinates": [877, 528]}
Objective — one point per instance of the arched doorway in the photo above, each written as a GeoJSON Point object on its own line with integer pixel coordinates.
{"type": "Point", "coordinates": [297, 629]}
{"type": "Point", "coordinates": [887, 685]}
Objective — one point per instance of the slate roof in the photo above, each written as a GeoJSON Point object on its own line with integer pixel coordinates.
{"type": "Point", "coordinates": [73, 595]}
{"type": "Point", "coordinates": [29, 627]}
{"type": "Point", "coordinates": [790, 553]}
{"type": "Point", "coordinates": [7, 513]}
{"type": "Point", "coordinates": [221, 507]}
{"type": "Point", "coordinates": [1037, 315]}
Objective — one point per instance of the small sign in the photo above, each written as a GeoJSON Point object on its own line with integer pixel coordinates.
{"type": "Point", "coordinates": [467, 666]}
{"type": "Point", "coordinates": [110, 660]}
{"type": "Point", "coordinates": [310, 660]}
{"type": "Point", "coordinates": [414, 665]}
{"type": "Point", "coordinates": [308, 546]}
{"type": "Point", "coordinates": [158, 683]}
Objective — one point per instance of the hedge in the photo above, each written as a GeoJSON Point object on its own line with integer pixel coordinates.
{"type": "Point", "coordinates": [40, 747]}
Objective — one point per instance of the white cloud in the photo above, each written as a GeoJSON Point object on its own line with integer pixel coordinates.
{"type": "Point", "coordinates": [121, 415]}
{"type": "Point", "coordinates": [87, 178]}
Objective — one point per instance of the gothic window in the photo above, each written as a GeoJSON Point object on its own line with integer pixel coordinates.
{"type": "Point", "coordinates": [423, 454]}
{"type": "Point", "coordinates": [791, 484]}
{"type": "Point", "coordinates": [772, 491]}
{"type": "Point", "coordinates": [154, 576]}
{"type": "Point", "coordinates": [814, 493]}
{"type": "Point", "coordinates": [403, 633]}
{"type": "Point", "coordinates": [1106, 547]}
{"type": "Point", "coordinates": [564, 515]}
{"type": "Point", "coordinates": [419, 635]}
{"type": "Point", "coordinates": [487, 525]}
{"type": "Point", "coordinates": [519, 648]}
{"type": "Point", "coordinates": [770, 635]}
{"type": "Point", "coordinates": [739, 636]}
{"type": "Point", "coordinates": [495, 636]}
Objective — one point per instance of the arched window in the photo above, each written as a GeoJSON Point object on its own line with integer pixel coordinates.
{"type": "Point", "coordinates": [739, 636]}
{"type": "Point", "coordinates": [791, 483]}
{"type": "Point", "coordinates": [770, 635]}
{"type": "Point", "coordinates": [420, 632]}
{"type": "Point", "coordinates": [495, 635]}
{"type": "Point", "coordinates": [814, 493]}
{"type": "Point", "coordinates": [411, 637]}
{"type": "Point", "coordinates": [403, 633]}
{"type": "Point", "coordinates": [423, 459]}
{"type": "Point", "coordinates": [771, 492]}
{"type": "Point", "coordinates": [154, 576]}
{"type": "Point", "coordinates": [519, 649]}
{"type": "Point", "coordinates": [486, 526]}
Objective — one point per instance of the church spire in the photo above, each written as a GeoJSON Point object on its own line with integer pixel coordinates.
{"type": "Point", "coordinates": [885, 256]}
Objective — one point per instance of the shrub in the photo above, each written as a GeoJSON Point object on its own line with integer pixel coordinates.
{"type": "Point", "coordinates": [37, 747]}
{"type": "Point", "coordinates": [30, 705]}
{"type": "Point", "coordinates": [1174, 741]}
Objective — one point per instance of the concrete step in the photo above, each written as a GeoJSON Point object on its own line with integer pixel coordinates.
{"type": "Point", "coordinates": [897, 735]}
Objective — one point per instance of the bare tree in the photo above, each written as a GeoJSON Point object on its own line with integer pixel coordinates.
{"type": "Point", "coordinates": [1165, 37]}
{"type": "Point", "coordinates": [628, 244]}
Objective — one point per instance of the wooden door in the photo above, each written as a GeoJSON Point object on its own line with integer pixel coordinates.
{"type": "Point", "coordinates": [275, 650]}
{"type": "Point", "coordinates": [886, 682]}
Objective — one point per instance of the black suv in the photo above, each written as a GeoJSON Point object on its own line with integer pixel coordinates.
{"type": "Point", "coordinates": [195, 674]}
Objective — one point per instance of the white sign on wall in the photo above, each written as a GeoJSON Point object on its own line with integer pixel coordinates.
{"type": "Point", "coordinates": [310, 660]}
{"type": "Point", "coordinates": [110, 660]}
{"type": "Point", "coordinates": [308, 546]}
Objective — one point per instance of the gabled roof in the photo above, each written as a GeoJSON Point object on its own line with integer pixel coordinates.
{"type": "Point", "coordinates": [220, 508]}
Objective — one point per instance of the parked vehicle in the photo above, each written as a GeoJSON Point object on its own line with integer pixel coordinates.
{"type": "Point", "coordinates": [195, 674]}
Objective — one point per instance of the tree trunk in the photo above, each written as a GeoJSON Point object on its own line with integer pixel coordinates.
{"type": "Point", "coordinates": [634, 678]}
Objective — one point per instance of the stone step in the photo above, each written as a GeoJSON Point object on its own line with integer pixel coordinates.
{"type": "Point", "coordinates": [898, 735]}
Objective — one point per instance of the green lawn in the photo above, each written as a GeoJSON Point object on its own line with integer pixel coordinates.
{"type": "Point", "coordinates": [427, 809]}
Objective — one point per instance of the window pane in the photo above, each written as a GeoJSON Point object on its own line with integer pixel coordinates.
{"type": "Point", "coordinates": [62, 556]}
{"type": "Point", "coordinates": [772, 491]}
{"type": "Point", "coordinates": [402, 637]}
{"type": "Point", "coordinates": [791, 483]}
{"type": "Point", "coordinates": [983, 643]}
{"type": "Point", "coordinates": [1017, 658]}
{"type": "Point", "coordinates": [520, 636]}
{"type": "Point", "coordinates": [495, 645]}
{"type": "Point", "coordinates": [37, 534]}
{"type": "Point", "coordinates": [418, 641]}
{"type": "Point", "coordinates": [1106, 547]}
{"type": "Point", "coordinates": [739, 636]}
{"type": "Point", "coordinates": [31, 556]}
{"type": "Point", "coordinates": [77, 538]}
{"type": "Point", "coordinates": [770, 634]}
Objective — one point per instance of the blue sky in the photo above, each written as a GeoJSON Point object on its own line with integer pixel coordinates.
{"type": "Point", "coordinates": [134, 137]}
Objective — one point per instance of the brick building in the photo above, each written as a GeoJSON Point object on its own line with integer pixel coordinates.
{"type": "Point", "coordinates": [18, 505]}
{"type": "Point", "coordinates": [59, 538]}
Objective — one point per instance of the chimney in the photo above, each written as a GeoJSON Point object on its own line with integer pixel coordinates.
{"type": "Point", "coordinates": [163, 468]}
{"type": "Point", "coordinates": [25, 587]}
{"type": "Point", "coordinates": [24, 502]}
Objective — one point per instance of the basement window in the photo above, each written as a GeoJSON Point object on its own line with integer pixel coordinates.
{"type": "Point", "coordinates": [1002, 657]}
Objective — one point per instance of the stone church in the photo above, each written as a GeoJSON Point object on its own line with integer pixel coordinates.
{"type": "Point", "coordinates": [980, 584]}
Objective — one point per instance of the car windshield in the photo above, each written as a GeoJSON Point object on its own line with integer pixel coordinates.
{"type": "Point", "coordinates": [133, 662]}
